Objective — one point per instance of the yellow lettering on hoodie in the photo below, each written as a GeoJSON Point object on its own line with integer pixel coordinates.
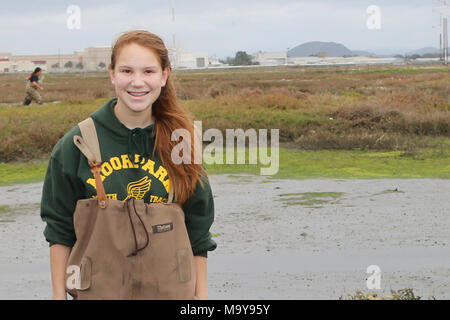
{"type": "Point", "coordinates": [126, 163]}
{"type": "Point", "coordinates": [136, 161]}
{"type": "Point", "coordinates": [149, 167]}
{"type": "Point", "coordinates": [116, 163]}
{"type": "Point", "coordinates": [91, 181]}
{"type": "Point", "coordinates": [106, 169]}
{"type": "Point", "coordinates": [161, 173]}
{"type": "Point", "coordinates": [154, 199]}
{"type": "Point", "coordinates": [166, 185]}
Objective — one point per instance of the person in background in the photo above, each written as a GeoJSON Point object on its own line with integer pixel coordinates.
{"type": "Point", "coordinates": [32, 88]}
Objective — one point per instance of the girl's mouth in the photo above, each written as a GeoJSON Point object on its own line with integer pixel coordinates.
{"type": "Point", "coordinates": [138, 93]}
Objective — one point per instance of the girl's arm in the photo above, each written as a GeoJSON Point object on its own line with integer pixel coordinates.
{"type": "Point", "coordinates": [59, 255]}
{"type": "Point", "coordinates": [201, 286]}
{"type": "Point", "coordinates": [34, 83]}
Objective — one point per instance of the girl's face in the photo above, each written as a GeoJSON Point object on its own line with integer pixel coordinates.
{"type": "Point", "coordinates": [137, 78]}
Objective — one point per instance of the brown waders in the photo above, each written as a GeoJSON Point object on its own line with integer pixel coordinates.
{"type": "Point", "coordinates": [32, 94]}
{"type": "Point", "coordinates": [127, 249]}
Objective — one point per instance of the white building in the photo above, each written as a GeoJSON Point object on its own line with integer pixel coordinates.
{"type": "Point", "coordinates": [270, 58]}
{"type": "Point", "coordinates": [192, 60]}
{"type": "Point", "coordinates": [214, 62]}
{"type": "Point", "coordinates": [93, 59]}
{"type": "Point", "coordinates": [89, 59]}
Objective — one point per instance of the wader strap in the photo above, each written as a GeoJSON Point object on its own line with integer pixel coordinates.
{"type": "Point", "coordinates": [89, 146]}
{"type": "Point", "coordinates": [89, 134]}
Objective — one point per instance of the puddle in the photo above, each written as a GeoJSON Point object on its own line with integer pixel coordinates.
{"type": "Point", "coordinates": [310, 199]}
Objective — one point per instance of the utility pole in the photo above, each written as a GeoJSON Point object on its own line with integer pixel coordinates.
{"type": "Point", "coordinates": [59, 60]}
{"type": "Point", "coordinates": [174, 48]}
{"type": "Point", "coordinates": [444, 12]}
{"type": "Point", "coordinates": [445, 31]}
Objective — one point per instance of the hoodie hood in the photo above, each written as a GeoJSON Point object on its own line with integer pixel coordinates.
{"type": "Point", "coordinates": [139, 140]}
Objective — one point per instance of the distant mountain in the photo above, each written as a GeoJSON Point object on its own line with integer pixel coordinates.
{"type": "Point", "coordinates": [333, 49]}
{"type": "Point", "coordinates": [363, 53]}
{"type": "Point", "coordinates": [327, 49]}
{"type": "Point", "coordinates": [424, 51]}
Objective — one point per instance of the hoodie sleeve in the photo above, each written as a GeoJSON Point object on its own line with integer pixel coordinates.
{"type": "Point", "coordinates": [199, 216]}
{"type": "Point", "coordinates": [59, 197]}
{"type": "Point", "coordinates": [61, 191]}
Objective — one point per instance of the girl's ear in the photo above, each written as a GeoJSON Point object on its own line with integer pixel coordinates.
{"type": "Point", "coordinates": [165, 76]}
{"type": "Point", "coordinates": [111, 75]}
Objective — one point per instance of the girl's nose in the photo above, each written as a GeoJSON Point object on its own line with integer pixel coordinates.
{"type": "Point", "coordinates": [137, 80]}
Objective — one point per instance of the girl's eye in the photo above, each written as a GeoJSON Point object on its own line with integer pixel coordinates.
{"type": "Point", "coordinates": [149, 71]}
{"type": "Point", "coordinates": [126, 71]}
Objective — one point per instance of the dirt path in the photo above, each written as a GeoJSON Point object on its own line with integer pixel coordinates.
{"type": "Point", "coordinates": [281, 239]}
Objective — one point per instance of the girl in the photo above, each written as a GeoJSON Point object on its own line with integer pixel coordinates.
{"type": "Point", "coordinates": [137, 176]}
{"type": "Point", "coordinates": [32, 87]}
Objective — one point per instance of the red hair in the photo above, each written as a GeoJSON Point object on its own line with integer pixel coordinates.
{"type": "Point", "coordinates": [169, 115]}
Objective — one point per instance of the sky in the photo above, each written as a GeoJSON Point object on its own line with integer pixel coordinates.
{"type": "Point", "coordinates": [220, 28]}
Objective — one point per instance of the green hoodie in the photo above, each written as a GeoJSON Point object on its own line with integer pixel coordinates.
{"type": "Point", "coordinates": [129, 170]}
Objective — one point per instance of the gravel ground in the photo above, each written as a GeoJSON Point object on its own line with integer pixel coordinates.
{"type": "Point", "coordinates": [280, 239]}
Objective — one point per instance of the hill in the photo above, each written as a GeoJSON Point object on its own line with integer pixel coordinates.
{"type": "Point", "coordinates": [329, 49]}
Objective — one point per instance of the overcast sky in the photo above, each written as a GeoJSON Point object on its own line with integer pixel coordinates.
{"type": "Point", "coordinates": [219, 27]}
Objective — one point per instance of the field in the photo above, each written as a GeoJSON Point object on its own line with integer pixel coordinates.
{"type": "Point", "coordinates": [396, 113]}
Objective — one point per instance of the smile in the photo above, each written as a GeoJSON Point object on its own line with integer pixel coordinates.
{"type": "Point", "coordinates": [138, 93]}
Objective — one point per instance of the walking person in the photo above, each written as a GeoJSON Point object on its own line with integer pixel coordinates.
{"type": "Point", "coordinates": [123, 220]}
{"type": "Point", "coordinates": [32, 88]}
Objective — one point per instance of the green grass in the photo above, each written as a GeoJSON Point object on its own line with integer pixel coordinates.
{"type": "Point", "coordinates": [295, 164]}
{"type": "Point", "coordinates": [4, 209]}
{"type": "Point", "coordinates": [354, 164]}
{"type": "Point", "coordinates": [16, 173]}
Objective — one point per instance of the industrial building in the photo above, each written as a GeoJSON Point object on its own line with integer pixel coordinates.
{"type": "Point", "coordinates": [91, 59]}
{"type": "Point", "coordinates": [270, 58]}
{"type": "Point", "coordinates": [191, 60]}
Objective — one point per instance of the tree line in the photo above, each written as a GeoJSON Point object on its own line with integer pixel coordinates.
{"type": "Point", "coordinates": [240, 59]}
{"type": "Point", "coordinates": [79, 65]}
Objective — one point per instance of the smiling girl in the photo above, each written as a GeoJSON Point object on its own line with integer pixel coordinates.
{"type": "Point", "coordinates": [113, 229]}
